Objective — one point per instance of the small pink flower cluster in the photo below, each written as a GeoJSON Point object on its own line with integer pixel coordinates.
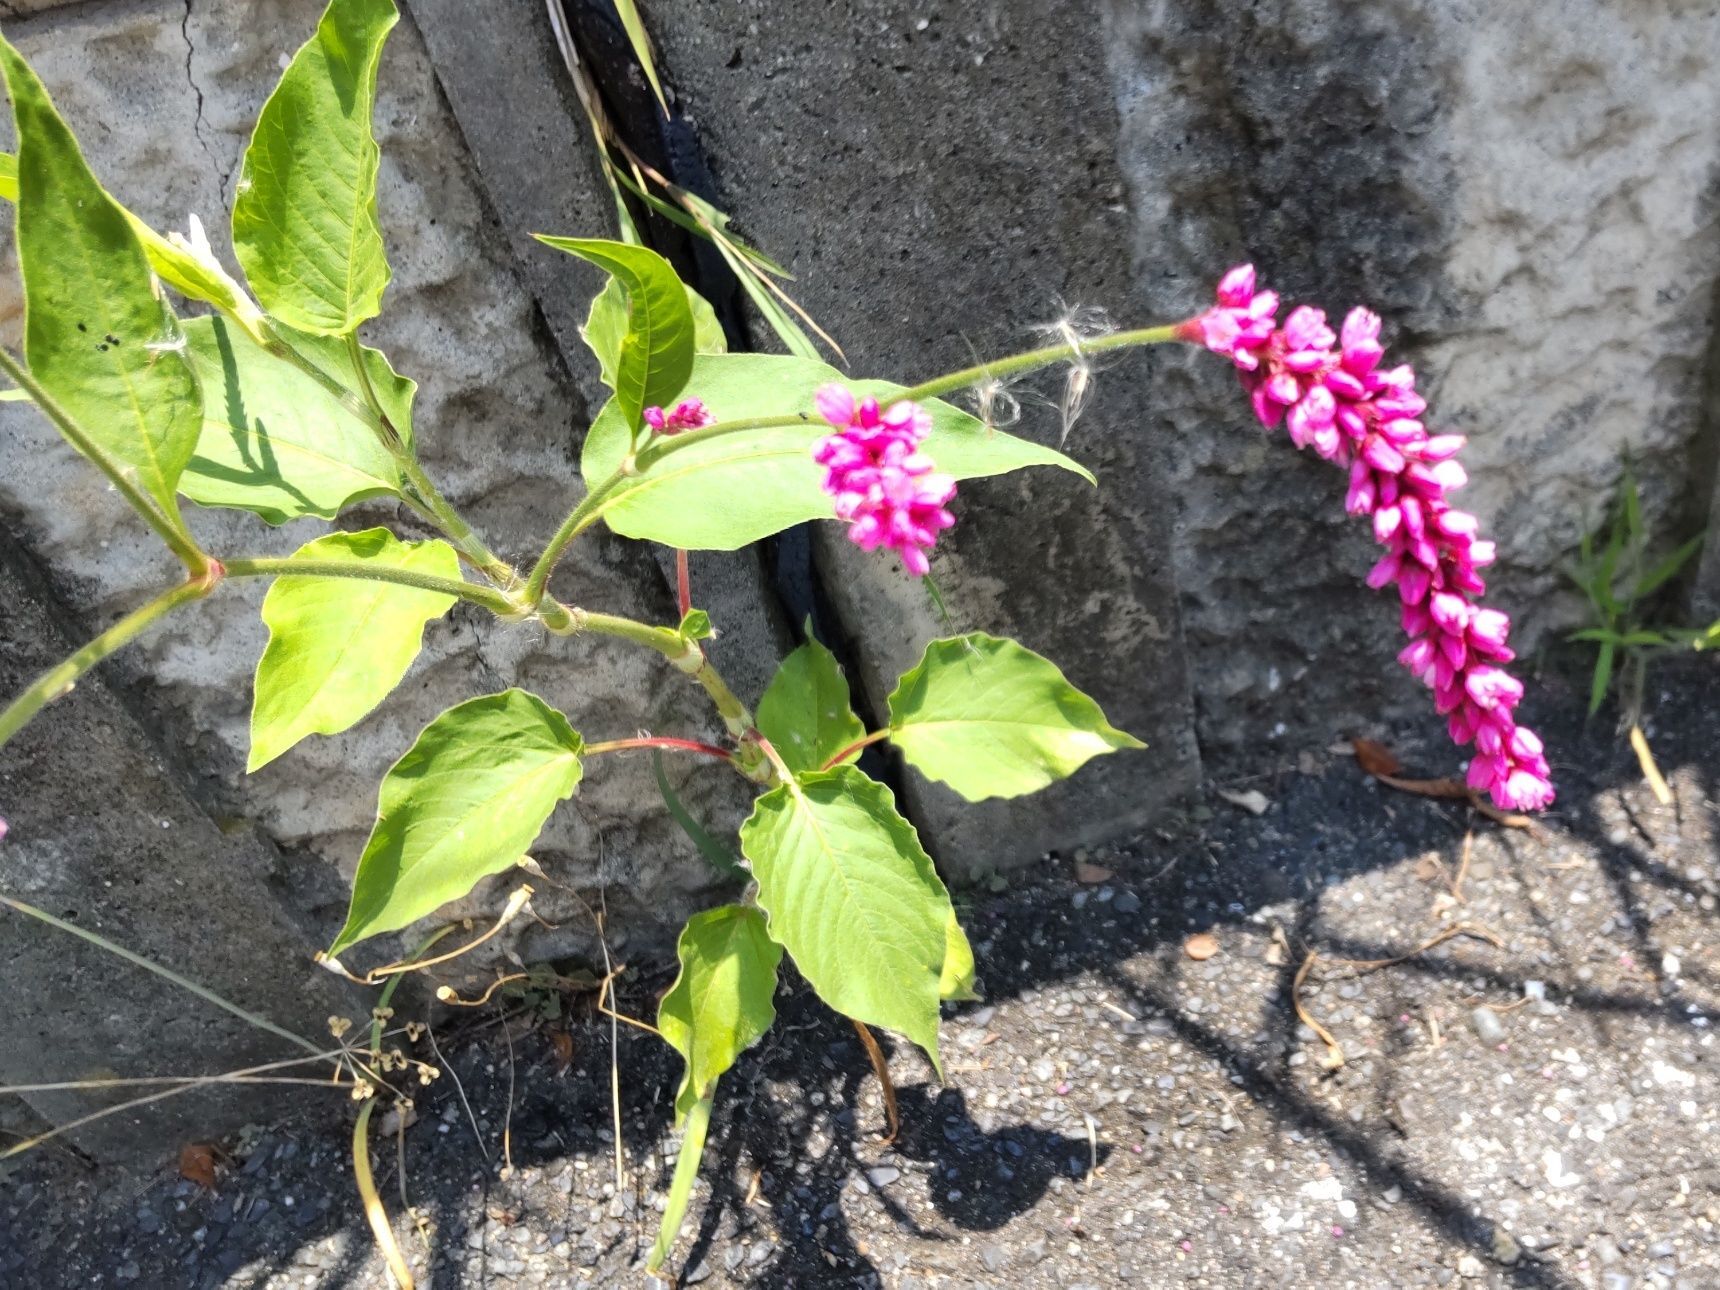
{"type": "Point", "coordinates": [1332, 395]}
{"type": "Point", "coordinates": [688, 414]}
{"type": "Point", "coordinates": [885, 487]}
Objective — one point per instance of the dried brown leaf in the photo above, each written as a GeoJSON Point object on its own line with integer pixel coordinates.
{"type": "Point", "coordinates": [197, 1164]}
{"type": "Point", "coordinates": [1375, 758]}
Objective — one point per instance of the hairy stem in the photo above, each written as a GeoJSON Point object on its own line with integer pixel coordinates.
{"type": "Point", "coordinates": [291, 567]}
{"type": "Point", "coordinates": [169, 527]}
{"type": "Point", "coordinates": [58, 680]}
{"type": "Point", "coordinates": [580, 518]}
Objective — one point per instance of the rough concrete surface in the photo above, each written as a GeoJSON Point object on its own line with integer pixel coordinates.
{"type": "Point", "coordinates": [164, 114]}
{"type": "Point", "coordinates": [1119, 1112]}
{"type": "Point", "coordinates": [938, 176]}
{"type": "Point", "coordinates": [101, 834]}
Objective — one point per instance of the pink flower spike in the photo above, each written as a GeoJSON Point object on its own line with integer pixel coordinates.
{"type": "Point", "coordinates": [688, 414]}
{"type": "Point", "coordinates": [1351, 410]}
{"type": "Point", "coordinates": [887, 490]}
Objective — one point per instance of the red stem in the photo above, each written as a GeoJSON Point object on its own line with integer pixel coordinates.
{"type": "Point", "coordinates": [657, 741]}
{"type": "Point", "coordinates": [683, 584]}
{"type": "Point", "coordinates": [853, 748]}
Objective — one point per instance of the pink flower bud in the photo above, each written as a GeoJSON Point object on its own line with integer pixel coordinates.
{"type": "Point", "coordinates": [1236, 288]}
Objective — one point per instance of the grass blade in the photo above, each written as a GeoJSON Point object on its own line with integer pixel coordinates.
{"type": "Point", "coordinates": [720, 857]}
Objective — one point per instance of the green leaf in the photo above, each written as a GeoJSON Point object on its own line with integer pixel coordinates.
{"type": "Point", "coordinates": [185, 263]}
{"type": "Point", "coordinates": [696, 626]}
{"type": "Point", "coordinates": [467, 800]}
{"type": "Point", "coordinates": [956, 982]}
{"type": "Point", "coordinates": [1596, 634]}
{"type": "Point", "coordinates": [721, 1003]}
{"type": "Point", "coordinates": [640, 39]}
{"type": "Point", "coordinates": [304, 218]}
{"type": "Point", "coordinates": [338, 646]}
{"type": "Point", "coordinates": [655, 356]}
{"type": "Point", "coordinates": [766, 478]}
{"type": "Point", "coordinates": [606, 327]}
{"type": "Point", "coordinates": [806, 713]}
{"type": "Point", "coordinates": [275, 441]}
{"type": "Point", "coordinates": [852, 895]}
{"type": "Point", "coordinates": [1656, 577]}
{"type": "Point", "coordinates": [97, 333]}
{"type": "Point", "coordinates": [991, 718]}
{"type": "Point", "coordinates": [1602, 677]}
{"type": "Point", "coordinates": [719, 856]}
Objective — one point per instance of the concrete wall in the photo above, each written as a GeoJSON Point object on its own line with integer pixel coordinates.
{"type": "Point", "coordinates": [1525, 192]}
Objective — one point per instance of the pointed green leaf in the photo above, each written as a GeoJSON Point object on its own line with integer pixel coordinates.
{"type": "Point", "coordinates": [467, 800]}
{"type": "Point", "coordinates": [991, 718]}
{"type": "Point", "coordinates": [606, 327]}
{"type": "Point", "coordinates": [956, 983]}
{"type": "Point", "coordinates": [806, 713]}
{"type": "Point", "coordinates": [696, 626]}
{"type": "Point", "coordinates": [767, 478]}
{"type": "Point", "coordinates": [304, 215]}
{"type": "Point", "coordinates": [720, 857]}
{"type": "Point", "coordinates": [721, 1003]}
{"type": "Point", "coordinates": [853, 897]}
{"type": "Point", "coordinates": [1602, 677]}
{"type": "Point", "coordinates": [634, 24]}
{"type": "Point", "coordinates": [1656, 577]}
{"type": "Point", "coordinates": [97, 333]}
{"type": "Point", "coordinates": [275, 441]}
{"type": "Point", "coordinates": [655, 355]}
{"type": "Point", "coordinates": [185, 263]}
{"type": "Point", "coordinates": [338, 646]}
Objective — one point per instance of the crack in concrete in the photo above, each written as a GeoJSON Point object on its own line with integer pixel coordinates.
{"type": "Point", "coordinates": [221, 175]}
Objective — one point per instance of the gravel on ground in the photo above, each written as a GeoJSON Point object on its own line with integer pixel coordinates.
{"type": "Point", "coordinates": [1530, 1102]}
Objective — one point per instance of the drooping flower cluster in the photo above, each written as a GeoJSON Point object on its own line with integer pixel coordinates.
{"type": "Point", "coordinates": [888, 491]}
{"type": "Point", "coordinates": [688, 414]}
{"type": "Point", "coordinates": [1332, 394]}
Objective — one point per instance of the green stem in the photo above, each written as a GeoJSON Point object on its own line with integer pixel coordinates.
{"type": "Point", "coordinates": [580, 518]}
{"type": "Point", "coordinates": [170, 528]}
{"type": "Point", "coordinates": [1016, 364]}
{"type": "Point", "coordinates": [686, 1174]}
{"type": "Point", "coordinates": [58, 680]}
{"type": "Point", "coordinates": [292, 567]}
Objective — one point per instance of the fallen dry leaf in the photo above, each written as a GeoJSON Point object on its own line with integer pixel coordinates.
{"type": "Point", "coordinates": [1253, 801]}
{"type": "Point", "coordinates": [562, 1043]}
{"type": "Point", "coordinates": [1201, 946]}
{"type": "Point", "coordinates": [1092, 874]}
{"type": "Point", "coordinates": [1375, 758]}
{"type": "Point", "coordinates": [197, 1164]}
